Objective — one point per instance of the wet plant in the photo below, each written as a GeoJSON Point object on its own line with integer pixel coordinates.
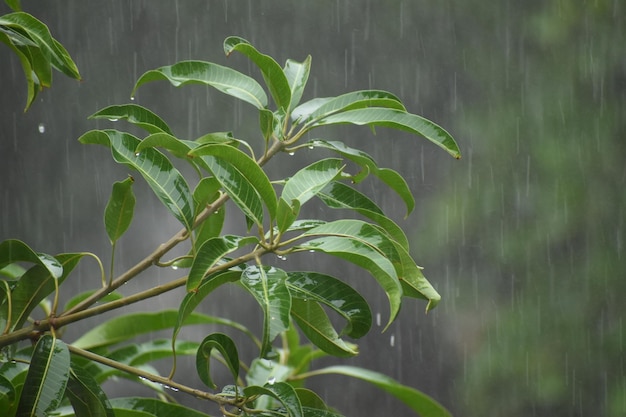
{"type": "Point", "coordinates": [43, 374]}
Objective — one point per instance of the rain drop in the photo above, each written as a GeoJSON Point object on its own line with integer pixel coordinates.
{"type": "Point", "coordinates": [392, 340]}
{"type": "Point", "coordinates": [132, 98]}
{"type": "Point", "coordinates": [292, 153]}
{"type": "Point", "coordinates": [378, 319]}
{"type": "Point", "coordinates": [272, 380]}
{"type": "Point", "coordinates": [113, 119]}
{"type": "Point", "coordinates": [174, 267]}
{"type": "Point", "coordinates": [137, 153]}
{"type": "Point", "coordinates": [41, 128]}
{"type": "Point", "coordinates": [311, 147]}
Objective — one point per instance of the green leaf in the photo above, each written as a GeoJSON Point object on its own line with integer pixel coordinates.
{"type": "Point", "coordinates": [322, 107]}
{"type": "Point", "coordinates": [224, 79]}
{"type": "Point", "coordinates": [86, 395]}
{"type": "Point", "coordinates": [297, 74]}
{"type": "Point", "coordinates": [12, 271]}
{"type": "Point", "coordinates": [267, 286]}
{"type": "Point", "coordinates": [314, 322]}
{"type": "Point", "coordinates": [32, 82]}
{"type": "Point", "coordinates": [310, 180]}
{"type": "Point", "coordinates": [13, 250]}
{"type": "Point", "coordinates": [388, 176]}
{"type": "Point", "coordinates": [340, 297]}
{"type": "Point", "coordinates": [36, 284]}
{"type": "Point", "coordinates": [226, 347]}
{"type": "Point", "coordinates": [46, 379]}
{"type": "Point", "coordinates": [272, 72]}
{"type": "Point", "coordinates": [178, 148]}
{"type": "Point", "coordinates": [14, 5]}
{"type": "Point", "coordinates": [118, 213]}
{"type": "Point", "coordinates": [414, 283]}
{"type": "Point", "coordinates": [395, 119]}
{"type": "Point", "coordinates": [7, 394]}
{"type": "Point", "coordinates": [135, 114]}
{"type": "Point", "coordinates": [128, 326]}
{"type": "Point", "coordinates": [281, 391]}
{"type": "Point", "coordinates": [250, 171]}
{"type": "Point", "coordinates": [310, 399]}
{"type": "Point", "coordinates": [210, 253]}
{"type": "Point", "coordinates": [286, 214]}
{"type": "Point", "coordinates": [112, 296]}
{"type": "Point", "coordinates": [165, 180]}
{"type": "Point", "coordinates": [419, 402]}
{"type": "Point", "coordinates": [153, 406]}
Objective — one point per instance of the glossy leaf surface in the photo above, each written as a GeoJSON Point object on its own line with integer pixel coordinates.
{"type": "Point", "coordinates": [297, 74]}
{"type": "Point", "coordinates": [307, 182]}
{"type": "Point", "coordinates": [118, 213]}
{"type": "Point", "coordinates": [267, 286]}
{"type": "Point", "coordinates": [165, 180]}
{"type": "Point", "coordinates": [353, 100]}
{"type": "Point", "coordinates": [13, 250]}
{"type": "Point", "coordinates": [224, 79]}
{"type": "Point", "coordinates": [226, 347]}
{"type": "Point", "coordinates": [135, 114]}
{"type": "Point", "coordinates": [46, 379]}
{"type": "Point", "coordinates": [396, 119]}
{"type": "Point", "coordinates": [281, 391]}
{"type": "Point", "coordinates": [86, 395]}
{"type": "Point", "coordinates": [272, 72]}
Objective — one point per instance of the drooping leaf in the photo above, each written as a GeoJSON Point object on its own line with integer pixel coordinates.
{"type": "Point", "coordinates": [419, 402]}
{"type": "Point", "coordinates": [118, 213]}
{"type": "Point", "coordinates": [226, 347]}
{"type": "Point", "coordinates": [281, 391]}
{"type": "Point", "coordinates": [337, 295]}
{"type": "Point", "coordinates": [128, 326]}
{"type": "Point", "coordinates": [414, 283]}
{"type": "Point", "coordinates": [224, 79]}
{"type": "Point", "coordinates": [153, 407]}
{"type": "Point", "coordinates": [165, 180]}
{"type": "Point", "coordinates": [32, 83]}
{"type": "Point", "coordinates": [36, 284]}
{"type": "Point", "coordinates": [396, 119]}
{"type": "Point", "coordinates": [286, 214]}
{"type": "Point", "coordinates": [272, 72]}
{"type": "Point", "coordinates": [248, 168]}
{"type": "Point", "coordinates": [388, 176]}
{"type": "Point", "coordinates": [205, 193]}
{"type": "Point", "coordinates": [210, 253]}
{"type": "Point", "coordinates": [297, 74]}
{"type": "Point", "coordinates": [13, 250]}
{"type": "Point", "coordinates": [310, 180]}
{"type": "Point", "coordinates": [86, 395]}
{"type": "Point", "coordinates": [135, 114]}
{"type": "Point", "coordinates": [47, 378]}
{"type": "Point", "coordinates": [314, 323]}
{"type": "Point", "coordinates": [267, 286]}
{"type": "Point", "coordinates": [350, 101]}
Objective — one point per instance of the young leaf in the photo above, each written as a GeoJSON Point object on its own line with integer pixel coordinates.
{"type": "Point", "coordinates": [227, 349]}
{"type": "Point", "coordinates": [165, 180]}
{"type": "Point", "coordinates": [297, 74]}
{"type": "Point", "coordinates": [337, 295]}
{"type": "Point", "coordinates": [248, 168]}
{"type": "Point", "coordinates": [314, 323]}
{"type": "Point", "coordinates": [307, 182]}
{"type": "Point", "coordinates": [283, 392]}
{"type": "Point", "coordinates": [272, 72]}
{"type": "Point", "coordinates": [135, 114]}
{"type": "Point", "coordinates": [210, 253]}
{"type": "Point", "coordinates": [267, 286]}
{"type": "Point", "coordinates": [86, 395]}
{"type": "Point", "coordinates": [224, 79]}
{"type": "Point", "coordinates": [419, 402]}
{"type": "Point", "coordinates": [395, 119]}
{"type": "Point", "coordinates": [46, 379]}
{"type": "Point", "coordinates": [118, 213]}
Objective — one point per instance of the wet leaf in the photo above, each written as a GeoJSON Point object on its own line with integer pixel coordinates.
{"type": "Point", "coordinates": [272, 72]}
{"type": "Point", "coordinates": [297, 74]}
{"type": "Point", "coordinates": [226, 347]}
{"type": "Point", "coordinates": [47, 378]}
{"type": "Point", "coordinates": [86, 395]}
{"type": "Point", "coordinates": [118, 213]}
{"type": "Point", "coordinates": [135, 114]}
{"type": "Point", "coordinates": [350, 101]}
{"type": "Point", "coordinates": [13, 250]}
{"type": "Point", "coordinates": [307, 182]}
{"type": "Point", "coordinates": [281, 391]}
{"type": "Point", "coordinates": [224, 79]}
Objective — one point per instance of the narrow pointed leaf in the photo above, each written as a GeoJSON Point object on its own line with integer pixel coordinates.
{"type": "Point", "coordinates": [210, 253]}
{"type": "Point", "coordinates": [118, 213]}
{"type": "Point", "coordinates": [46, 379]}
{"type": "Point", "coordinates": [224, 79]}
{"type": "Point", "coordinates": [307, 182]}
{"type": "Point", "coordinates": [419, 402]}
{"type": "Point", "coordinates": [248, 167]}
{"type": "Point", "coordinates": [283, 392]}
{"type": "Point", "coordinates": [396, 119]}
{"type": "Point", "coordinates": [112, 296]}
{"type": "Point", "coordinates": [304, 110]}
{"type": "Point", "coordinates": [165, 180]}
{"type": "Point", "coordinates": [267, 286]}
{"type": "Point", "coordinates": [13, 250]}
{"type": "Point", "coordinates": [388, 176]}
{"type": "Point", "coordinates": [297, 74]}
{"type": "Point", "coordinates": [178, 148]}
{"type": "Point", "coordinates": [135, 114]}
{"type": "Point", "coordinates": [32, 83]}
{"type": "Point", "coordinates": [86, 395]}
{"type": "Point", "coordinates": [153, 407]}
{"type": "Point", "coordinates": [226, 347]}
{"type": "Point", "coordinates": [314, 323]}
{"type": "Point", "coordinates": [286, 214]}
{"type": "Point", "coordinates": [272, 72]}
{"type": "Point", "coordinates": [357, 100]}
{"type": "Point", "coordinates": [337, 295]}
{"type": "Point", "coordinates": [414, 283]}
